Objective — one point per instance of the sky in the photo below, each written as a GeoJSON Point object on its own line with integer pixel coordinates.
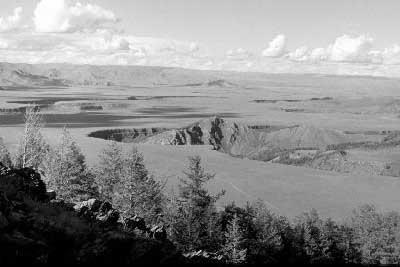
{"type": "Point", "coordinates": [338, 37]}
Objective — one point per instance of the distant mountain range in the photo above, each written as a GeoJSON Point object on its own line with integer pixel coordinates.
{"type": "Point", "coordinates": [15, 74]}
{"type": "Point", "coordinates": [87, 75]}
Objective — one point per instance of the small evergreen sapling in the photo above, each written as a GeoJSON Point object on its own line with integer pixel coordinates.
{"type": "Point", "coordinates": [233, 249]}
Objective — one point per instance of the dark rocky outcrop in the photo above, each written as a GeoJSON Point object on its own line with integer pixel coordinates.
{"type": "Point", "coordinates": [37, 230]}
{"type": "Point", "coordinates": [224, 135]}
{"type": "Point", "coordinates": [238, 139]}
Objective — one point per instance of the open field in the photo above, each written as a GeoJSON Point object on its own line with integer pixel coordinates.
{"type": "Point", "coordinates": [359, 108]}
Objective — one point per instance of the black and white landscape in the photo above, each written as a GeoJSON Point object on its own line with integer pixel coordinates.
{"type": "Point", "coordinates": [139, 150]}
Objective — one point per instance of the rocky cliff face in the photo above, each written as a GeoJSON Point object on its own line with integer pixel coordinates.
{"type": "Point", "coordinates": [37, 230]}
{"type": "Point", "coordinates": [240, 140]}
{"type": "Point", "coordinates": [225, 136]}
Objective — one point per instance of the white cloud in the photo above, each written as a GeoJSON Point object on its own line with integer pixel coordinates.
{"type": "Point", "coordinates": [300, 54]}
{"type": "Point", "coordinates": [4, 44]}
{"type": "Point", "coordinates": [58, 16]}
{"type": "Point", "coordinates": [276, 48]}
{"type": "Point", "coordinates": [80, 33]}
{"type": "Point", "coordinates": [319, 54]}
{"type": "Point", "coordinates": [194, 47]}
{"type": "Point", "coordinates": [11, 22]}
{"type": "Point", "coordinates": [391, 55]}
{"type": "Point", "coordinates": [100, 47]}
{"type": "Point", "coordinates": [238, 54]}
{"type": "Point", "coordinates": [351, 49]}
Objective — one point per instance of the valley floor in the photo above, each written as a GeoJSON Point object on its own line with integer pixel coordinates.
{"type": "Point", "coordinates": [287, 190]}
{"type": "Point", "coordinates": [366, 106]}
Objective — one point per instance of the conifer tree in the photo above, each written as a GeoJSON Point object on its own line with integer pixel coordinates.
{"type": "Point", "coordinates": [194, 222]}
{"type": "Point", "coordinates": [5, 157]}
{"type": "Point", "coordinates": [233, 247]}
{"type": "Point", "coordinates": [32, 147]}
{"type": "Point", "coordinates": [138, 193]}
{"type": "Point", "coordinates": [66, 173]}
{"type": "Point", "coordinates": [308, 227]}
{"type": "Point", "coordinates": [110, 170]}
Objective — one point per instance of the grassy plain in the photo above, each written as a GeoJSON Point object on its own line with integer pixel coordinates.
{"type": "Point", "coordinates": [356, 104]}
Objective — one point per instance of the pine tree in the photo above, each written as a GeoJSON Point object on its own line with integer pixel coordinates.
{"type": "Point", "coordinates": [332, 243]}
{"type": "Point", "coordinates": [233, 250]}
{"type": "Point", "coordinates": [309, 227]}
{"type": "Point", "coordinates": [5, 157]}
{"type": "Point", "coordinates": [110, 170]}
{"type": "Point", "coordinates": [268, 234]}
{"type": "Point", "coordinates": [66, 173]}
{"type": "Point", "coordinates": [32, 147]}
{"type": "Point", "coordinates": [194, 219]}
{"type": "Point", "coordinates": [138, 193]}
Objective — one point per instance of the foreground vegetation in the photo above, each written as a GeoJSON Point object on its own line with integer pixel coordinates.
{"type": "Point", "coordinates": [190, 218]}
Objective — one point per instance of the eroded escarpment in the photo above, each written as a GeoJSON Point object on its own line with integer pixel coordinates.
{"type": "Point", "coordinates": [299, 145]}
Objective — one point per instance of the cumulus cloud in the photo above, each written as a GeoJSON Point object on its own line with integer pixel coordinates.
{"type": "Point", "coordinates": [238, 54]}
{"type": "Point", "coordinates": [4, 44]}
{"type": "Point", "coordinates": [81, 33]}
{"type": "Point", "coordinates": [194, 47]}
{"type": "Point", "coordinates": [300, 54]}
{"type": "Point", "coordinates": [11, 22]}
{"type": "Point", "coordinates": [319, 54]}
{"type": "Point", "coordinates": [58, 16]}
{"type": "Point", "coordinates": [346, 48]}
{"type": "Point", "coordinates": [351, 49]}
{"type": "Point", "coordinates": [276, 48]}
{"type": "Point", "coordinates": [391, 55]}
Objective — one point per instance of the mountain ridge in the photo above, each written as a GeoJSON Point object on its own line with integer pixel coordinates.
{"type": "Point", "coordinates": [63, 74]}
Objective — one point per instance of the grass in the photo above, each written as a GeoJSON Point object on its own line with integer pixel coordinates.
{"type": "Point", "coordinates": [290, 189]}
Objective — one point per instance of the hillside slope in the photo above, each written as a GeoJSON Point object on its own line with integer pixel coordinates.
{"type": "Point", "coordinates": [35, 229]}
{"type": "Point", "coordinates": [238, 139]}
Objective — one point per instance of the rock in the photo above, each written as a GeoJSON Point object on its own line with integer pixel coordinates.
{"type": "Point", "coordinates": [109, 219]}
{"type": "Point", "coordinates": [3, 221]}
{"type": "Point", "coordinates": [98, 210]}
{"type": "Point", "coordinates": [222, 134]}
{"type": "Point", "coordinates": [92, 205]}
{"type": "Point", "coordinates": [60, 203]}
{"type": "Point", "coordinates": [158, 232]}
{"type": "Point", "coordinates": [36, 230]}
{"type": "Point", "coordinates": [5, 204]}
{"type": "Point", "coordinates": [204, 257]}
{"type": "Point", "coordinates": [135, 223]}
{"type": "Point", "coordinates": [22, 183]}
{"type": "Point", "coordinates": [51, 195]}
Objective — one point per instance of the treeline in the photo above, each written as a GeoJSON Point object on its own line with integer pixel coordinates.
{"type": "Point", "coordinates": [235, 235]}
